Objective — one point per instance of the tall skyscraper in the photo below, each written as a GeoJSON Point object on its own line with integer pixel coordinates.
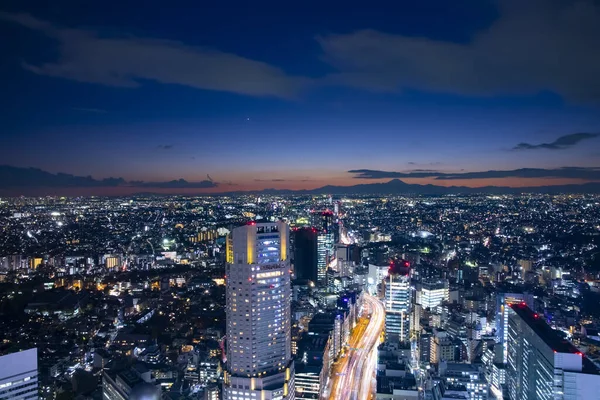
{"type": "Point", "coordinates": [305, 253]}
{"type": "Point", "coordinates": [325, 246]}
{"type": "Point", "coordinates": [259, 363]}
{"type": "Point", "coordinates": [397, 302]}
{"type": "Point", "coordinates": [19, 375]}
{"type": "Point", "coordinates": [541, 364]}
{"type": "Point", "coordinates": [503, 301]}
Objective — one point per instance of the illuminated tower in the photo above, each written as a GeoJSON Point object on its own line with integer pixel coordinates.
{"type": "Point", "coordinates": [325, 246]}
{"type": "Point", "coordinates": [397, 302]}
{"type": "Point", "coordinates": [259, 364]}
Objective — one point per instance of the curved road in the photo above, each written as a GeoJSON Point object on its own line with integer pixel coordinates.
{"type": "Point", "coordinates": [352, 377]}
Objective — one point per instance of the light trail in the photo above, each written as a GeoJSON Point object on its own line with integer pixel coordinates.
{"type": "Point", "coordinates": [352, 377]}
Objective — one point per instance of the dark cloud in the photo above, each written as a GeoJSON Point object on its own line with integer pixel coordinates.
{"type": "Point", "coordinates": [563, 142]}
{"type": "Point", "coordinates": [165, 146]}
{"type": "Point", "coordinates": [14, 177]}
{"type": "Point", "coordinates": [591, 174]}
{"type": "Point", "coordinates": [31, 177]}
{"type": "Point", "coordinates": [535, 45]}
{"type": "Point", "coordinates": [87, 56]}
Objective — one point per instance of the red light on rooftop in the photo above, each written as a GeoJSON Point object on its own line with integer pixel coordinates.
{"type": "Point", "coordinates": [536, 315]}
{"type": "Point", "coordinates": [579, 354]}
{"type": "Point", "coordinates": [251, 223]}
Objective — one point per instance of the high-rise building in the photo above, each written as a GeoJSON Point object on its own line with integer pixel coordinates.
{"type": "Point", "coordinates": [325, 252]}
{"type": "Point", "coordinates": [503, 301]}
{"type": "Point", "coordinates": [19, 375]}
{"type": "Point", "coordinates": [397, 302]}
{"type": "Point", "coordinates": [326, 240]}
{"type": "Point", "coordinates": [305, 254]}
{"type": "Point", "coordinates": [258, 294]}
{"type": "Point", "coordinates": [541, 364]}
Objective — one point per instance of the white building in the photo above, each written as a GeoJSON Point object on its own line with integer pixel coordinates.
{"type": "Point", "coordinates": [19, 375]}
{"type": "Point", "coordinates": [431, 294]}
{"type": "Point", "coordinates": [397, 303]}
{"type": "Point", "coordinates": [259, 363]}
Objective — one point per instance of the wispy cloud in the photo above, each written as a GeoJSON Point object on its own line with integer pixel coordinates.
{"type": "Point", "coordinates": [534, 45]}
{"type": "Point", "coordinates": [563, 142]}
{"type": "Point", "coordinates": [126, 61]}
{"type": "Point", "coordinates": [592, 174]}
{"type": "Point", "coordinates": [165, 146]}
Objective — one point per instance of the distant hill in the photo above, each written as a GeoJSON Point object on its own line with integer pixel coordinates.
{"type": "Point", "coordinates": [16, 180]}
{"type": "Point", "coordinates": [396, 186]}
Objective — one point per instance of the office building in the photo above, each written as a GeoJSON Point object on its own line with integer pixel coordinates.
{"type": "Point", "coordinates": [543, 365]}
{"type": "Point", "coordinates": [470, 376]}
{"type": "Point", "coordinates": [19, 375]}
{"type": "Point", "coordinates": [432, 293]}
{"type": "Point", "coordinates": [397, 302]}
{"type": "Point", "coordinates": [307, 379]}
{"type": "Point", "coordinates": [258, 293]}
{"type": "Point", "coordinates": [305, 254]}
{"type": "Point", "coordinates": [503, 301]}
{"type": "Point", "coordinates": [325, 246]}
{"type": "Point", "coordinates": [134, 383]}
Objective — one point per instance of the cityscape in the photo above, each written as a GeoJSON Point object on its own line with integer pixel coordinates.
{"type": "Point", "coordinates": [383, 200]}
{"type": "Point", "coordinates": [302, 297]}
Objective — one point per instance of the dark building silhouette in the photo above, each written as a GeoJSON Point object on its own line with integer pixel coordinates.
{"type": "Point", "coordinates": [305, 253]}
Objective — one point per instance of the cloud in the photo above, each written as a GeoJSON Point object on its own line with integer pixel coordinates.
{"type": "Point", "coordinates": [15, 177]}
{"type": "Point", "coordinates": [535, 45]}
{"type": "Point", "coordinates": [126, 61]}
{"type": "Point", "coordinates": [563, 142]}
{"type": "Point", "coordinates": [165, 146]}
{"type": "Point", "coordinates": [590, 174]}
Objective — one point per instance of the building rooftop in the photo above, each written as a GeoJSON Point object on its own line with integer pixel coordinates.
{"type": "Point", "coordinates": [560, 345]}
{"type": "Point", "coordinates": [536, 322]}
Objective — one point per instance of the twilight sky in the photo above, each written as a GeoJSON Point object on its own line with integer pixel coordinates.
{"type": "Point", "coordinates": [249, 95]}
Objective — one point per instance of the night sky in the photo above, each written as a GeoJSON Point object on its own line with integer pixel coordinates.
{"type": "Point", "coordinates": [235, 95]}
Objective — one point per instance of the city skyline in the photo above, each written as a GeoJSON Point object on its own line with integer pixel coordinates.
{"type": "Point", "coordinates": [262, 96]}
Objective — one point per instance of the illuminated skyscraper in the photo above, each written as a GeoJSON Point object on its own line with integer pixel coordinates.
{"type": "Point", "coordinates": [258, 354]}
{"type": "Point", "coordinates": [325, 246]}
{"type": "Point", "coordinates": [397, 302]}
{"type": "Point", "coordinates": [503, 301]}
{"type": "Point", "coordinates": [543, 365]}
